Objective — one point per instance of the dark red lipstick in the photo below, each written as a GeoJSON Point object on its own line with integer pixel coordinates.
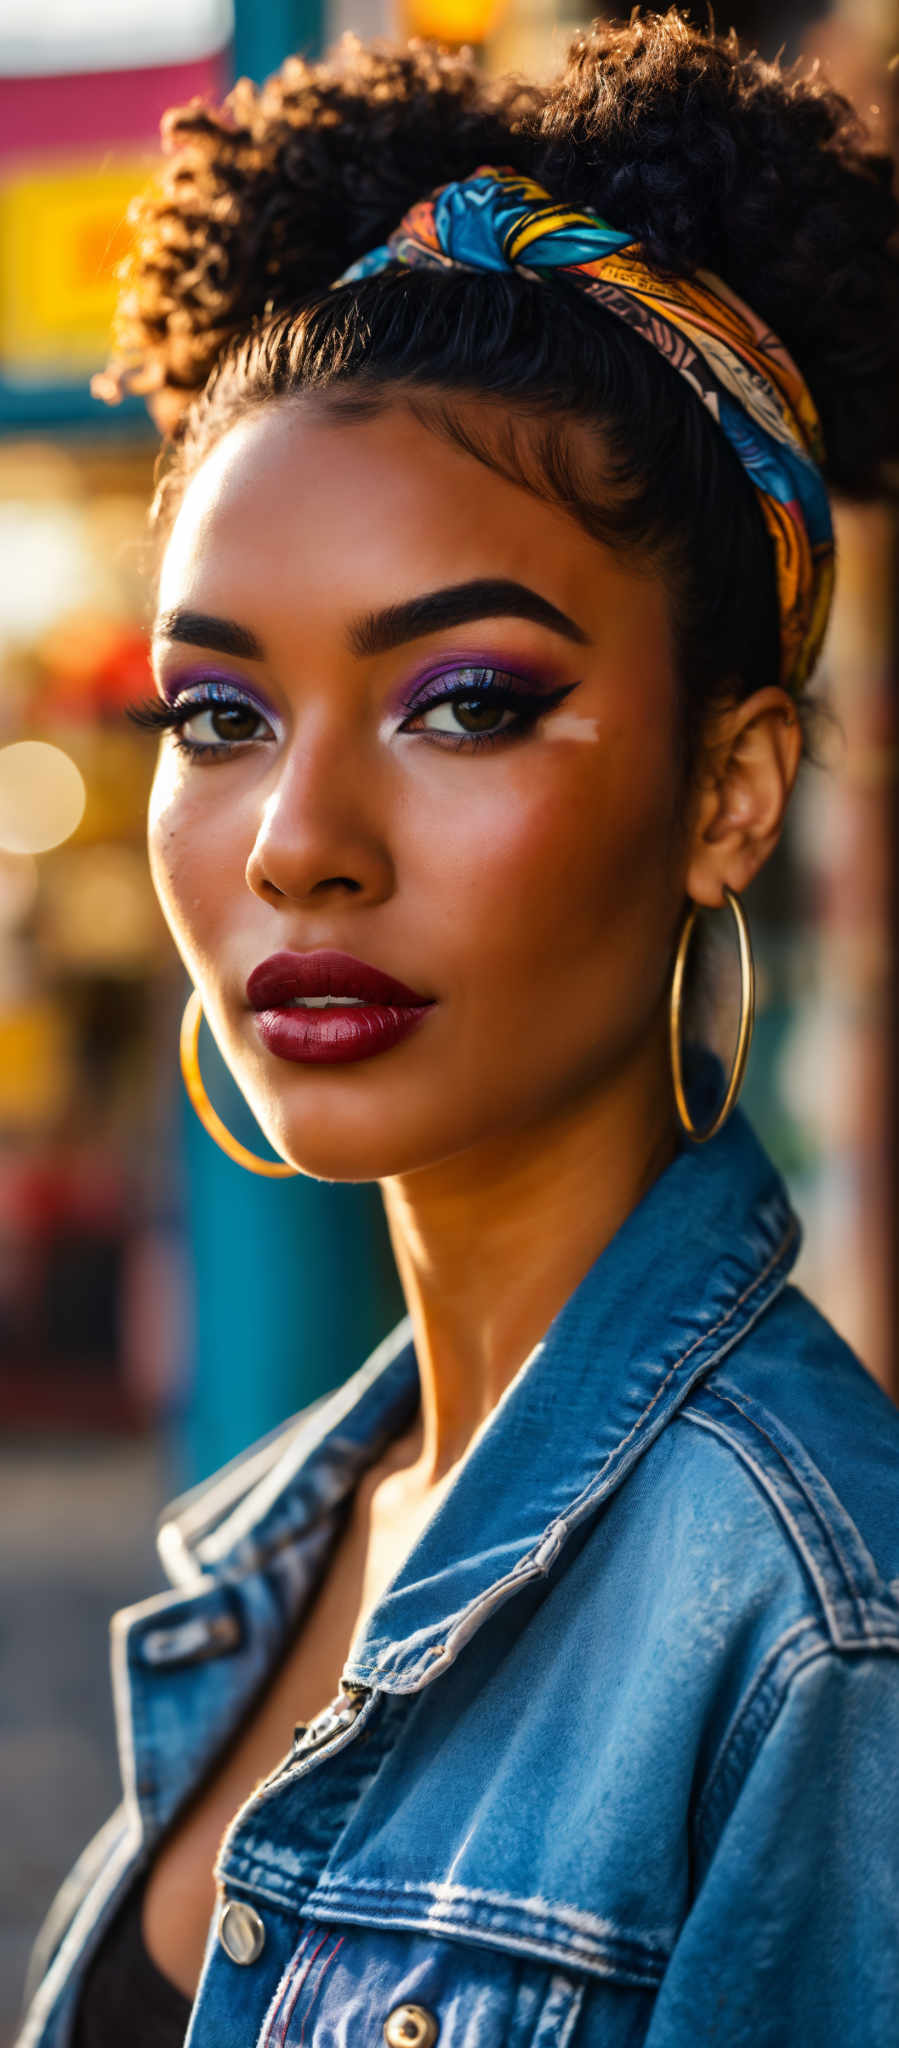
{"type": "Point", "coordinates": [329, 1007]}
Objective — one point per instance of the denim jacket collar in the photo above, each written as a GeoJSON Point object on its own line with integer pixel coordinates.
{"type": "Point", "coordinates": [689, 1271]}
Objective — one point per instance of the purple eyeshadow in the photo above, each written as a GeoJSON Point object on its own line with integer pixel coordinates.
{"type": "Point", "coordinates": [433, 682]}
{"type": "Point", "coordinates": [230, 687]}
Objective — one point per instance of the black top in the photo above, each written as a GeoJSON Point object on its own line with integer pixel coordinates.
{"type": "Point", "coordinates": [124, 1997]}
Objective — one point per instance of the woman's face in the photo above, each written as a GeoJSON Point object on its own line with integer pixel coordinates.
{"type": "Point", "coordinates": [472, 791]}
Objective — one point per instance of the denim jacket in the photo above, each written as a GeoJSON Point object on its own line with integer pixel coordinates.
{"type": "Point", "coordinates": [617, 1755]}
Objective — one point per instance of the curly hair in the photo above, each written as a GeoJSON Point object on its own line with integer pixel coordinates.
{"type": "Point", "coordinates": [709, 156]}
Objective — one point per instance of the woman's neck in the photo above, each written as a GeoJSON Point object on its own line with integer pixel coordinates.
{"type": "Point", "coordinates": [489, 1245]}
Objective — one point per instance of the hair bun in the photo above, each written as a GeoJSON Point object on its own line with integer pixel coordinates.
{"type": "Point", "coordinates": [716, 159]}
{"type": "Point", "coordinates": [262, 202]}
{"type": "Point", "coordinates": [709, 156]}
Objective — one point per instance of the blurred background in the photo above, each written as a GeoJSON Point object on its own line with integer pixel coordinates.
{"type": "Point", "coordinates": [137, 1351]}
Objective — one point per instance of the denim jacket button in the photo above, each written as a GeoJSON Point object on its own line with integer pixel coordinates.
{"type": "Point", "coordinates": [241, 1932]}
{"type": "Point", "coordinates": [410, 2026]}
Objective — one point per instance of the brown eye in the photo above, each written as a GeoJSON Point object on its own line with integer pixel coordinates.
{"type": "Point", "coordinates": [217, 725]}
{"type": "Point", "coordinates": [471, 717]}
{"type": "Point", "coordinates": [478, 717]}
{"type": "Point", "coordinates": [233, 722]}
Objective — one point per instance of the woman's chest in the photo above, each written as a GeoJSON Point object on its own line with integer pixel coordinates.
{"type": "Point", "coordinates": [446, 1863]}
{"type": "Point", "coordinates": [180, 1892]}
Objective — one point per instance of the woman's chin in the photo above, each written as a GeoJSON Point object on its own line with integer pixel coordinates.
{"type": "Point", "coordinates": [337, 1145]}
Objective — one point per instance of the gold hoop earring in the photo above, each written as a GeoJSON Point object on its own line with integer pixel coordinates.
{"type": "Point", "coordinates": [744, 1034]}
{"type": "Point", "coordinates": [273, 1169]}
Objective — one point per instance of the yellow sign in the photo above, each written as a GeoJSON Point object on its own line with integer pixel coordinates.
{"type": "Point", "coordinates": [62, 232]}
{"type": "Point", "coordinates": [37, 1075]}
{"type": "Point", "coordinates": [452, 21]}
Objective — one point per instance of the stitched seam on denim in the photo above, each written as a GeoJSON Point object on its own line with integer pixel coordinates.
{"type": "Point", "coordinates": [706, 1335]}
{"type": "Point", "coordinates": [704, 1338]}
{"type": "Point", "coordinates": [280, 1991]}
{"type": "Point", "coordinates": [780, 1689]}
{"type": "Point", "coordinates": [338, 1900]}
{"type": "Point", "coordinates": [589, 1492]}
{"type": "Point", "coordinates": [248, 1562]}
{"type": "Point", "coordinates": [576, 2000]}
{"type": "Point", "coordinates": [753, 1738]}
{"type": "Point", "coordinates": [290, 2006]}
{"type": "Point", "coordinates": [326, 1965]}
{"type": "Point", "coordinates": [766, 1485]}
{"type": "Point", "coordinates": [743, 1708]}
{"type": "Point", "coordinates": [449, 1623]}
{"type": "Point", "coordinates": [535, 1912]}
{"type": "Point", "coordinates": [82, 1879]}
{"type": "Point", "coordinates": [247, 1544]}
{"type": "Point", "coordinates": [292, 1989]}
{"type": "Point", "coordinates": [126, 1721]}
{"type": "Point", "coordinates": [646, 1972]}
{"type": "Point", "coordinates": [816, 1512]}
{"type": "Point", "coordinates": [243, 1872]}
{"type": "Point", "coordinates": [84, 1932]}
{"type": "Point", "coordinates": [288, 1774]}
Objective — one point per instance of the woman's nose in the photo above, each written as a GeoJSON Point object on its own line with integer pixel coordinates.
{"type": "Point", "coordinates": [320, 831]}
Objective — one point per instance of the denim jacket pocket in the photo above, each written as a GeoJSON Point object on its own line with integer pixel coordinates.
{"type": "Point", "coordinates": [360, 1987]}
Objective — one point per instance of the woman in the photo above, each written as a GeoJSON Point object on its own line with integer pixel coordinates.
{"type": "Point", "coordinates": [495, 557]}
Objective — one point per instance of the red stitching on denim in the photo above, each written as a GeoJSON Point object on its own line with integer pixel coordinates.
{"type": "Point", "coordinates": [287, 2014]}
{"type": "Point", "coordinates": [280, 1992]}
{"type": "Point", "coordinates": [326, 1965]}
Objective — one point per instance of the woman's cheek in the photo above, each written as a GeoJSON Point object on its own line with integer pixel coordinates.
{"type": "Point", "coordinates": [186, 855]}
{"type": "Point", "coordinates": [164, 816]}
{"type": "Point", "coordinates": [478, 863]}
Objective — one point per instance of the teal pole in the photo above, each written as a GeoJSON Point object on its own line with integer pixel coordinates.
{"type": "Point", "coordinates": [293, 1284]}
{"type": "Point", "coordinates": [267, 31]}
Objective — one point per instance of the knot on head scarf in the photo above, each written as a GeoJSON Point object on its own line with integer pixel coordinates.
{"type": "Point", "coordinates": [498, 220]}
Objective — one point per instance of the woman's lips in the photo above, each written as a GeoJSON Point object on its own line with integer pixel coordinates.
{"type": "Point", "coordinates": [370, 1012]}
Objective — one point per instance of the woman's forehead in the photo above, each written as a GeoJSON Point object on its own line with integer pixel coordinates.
{"type": "Point", "coordinates": [292, 450]}
{"type": "Point", "coordinates": [299, 502]}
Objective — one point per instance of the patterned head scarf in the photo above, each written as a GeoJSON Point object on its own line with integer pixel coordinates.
{"type": "Point", "coordinates": [497, 220]}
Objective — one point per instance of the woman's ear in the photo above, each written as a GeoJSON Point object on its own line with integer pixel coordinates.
{"type": "Point", "coordinates": [751, 759]}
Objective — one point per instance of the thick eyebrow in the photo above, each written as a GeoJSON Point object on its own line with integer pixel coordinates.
{"type": "Point", "coordinates": [459, 604]}
{"type": "Point", "coordinates": [202, 629]}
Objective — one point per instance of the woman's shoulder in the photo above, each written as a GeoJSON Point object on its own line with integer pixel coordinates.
{"type": "Point", "coordinates": [748, 1570]}
{"type": "Point", "coordinates": [763, 1525]}
{"type": "Point", "coordinates": [818, 1439]}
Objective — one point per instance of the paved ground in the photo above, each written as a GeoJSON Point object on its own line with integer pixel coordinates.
{"type": "Point", "coordinates": [76, 1542]}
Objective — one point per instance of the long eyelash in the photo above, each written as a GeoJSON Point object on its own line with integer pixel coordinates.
{"type": "Point", "coordinates": [528, 706]}
{"type": "Point", "coordinates": [152, 714]}
{"type": "Point", "coordinates": [155, 716]}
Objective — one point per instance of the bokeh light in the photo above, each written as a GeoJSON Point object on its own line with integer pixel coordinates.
{"type": "Point", "coordinates": [42, 797]}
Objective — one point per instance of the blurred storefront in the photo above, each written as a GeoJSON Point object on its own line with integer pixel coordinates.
{"type": "Point", "coordinates": [120, 1297]}
{"type": "Point", "coordinates": [120, 1301]}
{"type": "Point", "coordinates": [84, 963]}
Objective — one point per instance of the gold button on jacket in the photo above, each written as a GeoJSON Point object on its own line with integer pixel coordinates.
{"type": "Point", "coordinates": [410, 2026]}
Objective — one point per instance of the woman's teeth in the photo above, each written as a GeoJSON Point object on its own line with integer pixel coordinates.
{"type": "Point", "coordinates": [323, 1002]}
